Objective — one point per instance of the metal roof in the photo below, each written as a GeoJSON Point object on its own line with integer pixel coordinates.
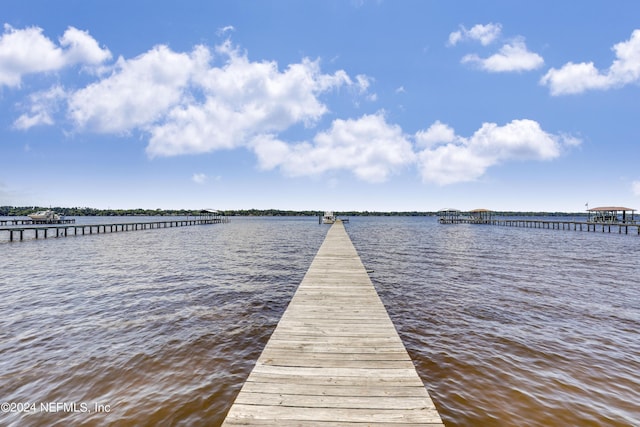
{"type": "Point", "coordinates": [609, 208]}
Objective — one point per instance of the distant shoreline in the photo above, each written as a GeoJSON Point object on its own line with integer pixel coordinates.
{"type": "Point", "coordinates": [25, 210]}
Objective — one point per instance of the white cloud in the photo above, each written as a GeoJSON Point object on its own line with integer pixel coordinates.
{"type": "Point", "coordinates": [635, 187]}
{"type": "Point", "coordinates": [28, 51]}
{"type": "Point", "coordinates": [574, 78]}
{"type": "Point", "coordinates": [369, 147]}
{"type": "Point", "coordinates": [438, 133]}
{"type": "Point", "coordinates": [222, 31]}
{"type": "Point", "coordinates": [373, 150]}
{"type": "Point", "coordinates": [363, 82]}
{"type": "Point", "coordinates": [485, 34]}
{"type": "Point", "coordinates": [42, 106]}
{"type": "Point", "coordinates": [183, 102]}
{"type": "Point", "coordinates": [512, 56]}
{"type": "Point", "coordinates": [140, 90]}
{"type": "Point", "coordinates": [199, 178]}
{"type": "Point", "coordinates": [81, 48]}
{"type": "Point", "coordinates": [244, 99]}
{"type": "Point", "coordinates": [460, 159]}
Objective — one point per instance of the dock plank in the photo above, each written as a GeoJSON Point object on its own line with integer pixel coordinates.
{"type": "Point", "coordinates": [335, 357]}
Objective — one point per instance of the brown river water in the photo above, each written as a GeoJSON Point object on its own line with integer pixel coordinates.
{"type": "Point", "coordinates": [507, 326]}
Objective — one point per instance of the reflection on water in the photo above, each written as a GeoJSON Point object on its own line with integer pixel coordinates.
{"type": "Point", "coordinates": [507, 326]}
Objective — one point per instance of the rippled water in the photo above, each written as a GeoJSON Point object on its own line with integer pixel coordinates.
{"type": "Point", "coordinates": [507, 326]}
{"type": "Point", "coordinates": [513, 326]}
{"type": "Point", "coordinates": [163, 326]}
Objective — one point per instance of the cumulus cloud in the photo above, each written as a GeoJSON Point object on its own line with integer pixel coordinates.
{"type": "Point", "coordinates": [369, 147]}
{"type": "Point", "coordinates": [26, 51]}
{"type": "Point", "coordinates": [512, 56]}
{"type": "Point", "coordinates": [185, 102]}
{"type": "Point", "coordinates": [450, 158]}
{"type": "Point", "coordinates": [42, 106]}
{"type": "Point", "coordinates": [437, 133]}
{"type": "Point", "coordinates": [574, 78]}
{"type": "Point", "coordinates": [138, 92]}
{"type": "Point", "coordinates": [205, 100]}
{"type": "Point", "coordinates": [244, 99]}
{"type": "Point", "coordinates": [373, 149]}
{"type": "Point", "coordinates": [485, 34]}
{"type": "Point", "coordinates": [80, 48]}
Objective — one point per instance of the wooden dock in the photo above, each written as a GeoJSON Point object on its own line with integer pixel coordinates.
{"type": "Point", "coordinates": [22, 221]}
{"type": "Point", "coordinates": [335, 357]}
{"type": "Point", "coordinates": [65, 230]}
{"type": "Point", "coordinates": [604, 227]}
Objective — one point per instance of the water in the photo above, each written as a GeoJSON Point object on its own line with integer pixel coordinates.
{"type": "Point", "coordinates": [507, 326]}
{"type": "Point", "coordinates": [514, 326]}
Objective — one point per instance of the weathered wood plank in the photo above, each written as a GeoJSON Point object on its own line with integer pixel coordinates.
{"type": "Point", "coordinates": [306, 362]}
{"type": "Point", "coordinates": [298, 423]}
{"type": "Point", "coordinates": [346, 357]}
{"type": "Point", "coordinates": [333, 390]}
{"type": "Point", "coordinates": [335, 357]}
{"type": "Point", "coordinates": [336, 372]}
{"type": "Point", "coordinates": [343, 402]}
{"type": "Point", "coordinates": [257, 413]}
{"type": "Point", "coordinates": [342, 381]}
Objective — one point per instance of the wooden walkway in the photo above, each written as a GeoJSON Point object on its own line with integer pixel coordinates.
{"type": "Point", "coordinates": [45, 231]}
{"type": "Point", "coordinates": [22, 221]}
{"type": "Point", "coordinates": [608, 227]}
{"type": "Point", "coordinates": [335, 357]}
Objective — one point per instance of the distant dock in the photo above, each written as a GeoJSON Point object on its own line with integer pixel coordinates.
{"type": "Point", "coordinates": [4, 222]}
{"type": "Point", "coordinates": [604, 227]}
{"type": "Point", "coordinates": [48, 230]}
{"type": "Point", "coordinates": [335, 357]}
{"type": "Point", "coordinates": [606, 220]}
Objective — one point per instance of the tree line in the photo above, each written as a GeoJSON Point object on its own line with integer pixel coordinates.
{"type": "Point", "coordinates": [78, 211]}
{"type": "Point", "coordinates": [85, 211]}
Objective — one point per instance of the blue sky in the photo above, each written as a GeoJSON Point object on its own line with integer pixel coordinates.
{"type": "Point", "coordinates": [342, 105]}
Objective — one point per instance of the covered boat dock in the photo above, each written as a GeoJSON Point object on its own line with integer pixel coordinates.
{"type": "Point", "coordinates": [611, 215]}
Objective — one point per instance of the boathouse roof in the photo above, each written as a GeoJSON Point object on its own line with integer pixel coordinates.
{"type": "Point", "coordinates": [609, 208]}
{"type": "Point", "coordinates": [480, 210]}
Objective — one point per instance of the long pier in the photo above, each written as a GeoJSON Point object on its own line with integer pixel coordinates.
{"type": "Point", "coordinates": [335, 357]}
{"type": "Point", "coordinates": [65, 230]}
{"type": "Point", "coordinates": [36, 221]}
{"type": "Point", "coordinates": [604, 227]}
